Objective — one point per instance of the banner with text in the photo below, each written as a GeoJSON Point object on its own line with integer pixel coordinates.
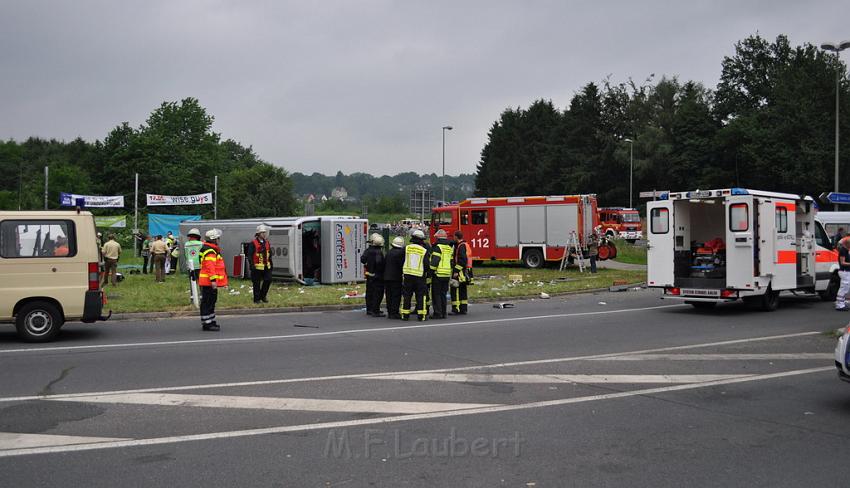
{"type": "Point", "coordinates": [70, 200]}
{"type": "Point", "coordinates": [116, 221]}
{"type": "Point", "coordinates": [200, 199]}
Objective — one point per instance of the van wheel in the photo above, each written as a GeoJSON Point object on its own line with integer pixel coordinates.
{"type": "Point", "coordinates": [38, 322]}
{"type": "Point", "coordinates": [702, 305]}
{"type": "Point", "coordinates": [831, 291]}
{"type": "Point", "coordinates": [532, 258]}
{"type": "Point", "coordinates": [770, 300]}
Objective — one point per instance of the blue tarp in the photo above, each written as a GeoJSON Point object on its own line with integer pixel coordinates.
{"type": "Point", "coordinates": [160, 224]}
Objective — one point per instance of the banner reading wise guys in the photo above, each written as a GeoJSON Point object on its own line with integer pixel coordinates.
{"type": "Point", "coordinates": [200, 199]}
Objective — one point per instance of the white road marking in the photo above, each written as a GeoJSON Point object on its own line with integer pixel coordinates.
{"type": "Point", "coordinates": [331, 333]}
{"type": "Point", "coordinates": [442, 370]}
{"type": "Point", "coordinates": [14, 440]}
{"type": "Point", "coordinates": [721, 357]}
{"type": "Point", "coordinates": [271, 403]}
{"type": "Point", "coordinates": [560, 378]}
{"type": "Point", "coordinates": [401, 418]}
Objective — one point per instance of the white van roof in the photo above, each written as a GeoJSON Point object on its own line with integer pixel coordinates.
{"type": "Point", "coordinates": [727, 192]}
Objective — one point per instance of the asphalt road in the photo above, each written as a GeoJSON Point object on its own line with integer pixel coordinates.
{"type": "Point", "coordinates": [610, 389]}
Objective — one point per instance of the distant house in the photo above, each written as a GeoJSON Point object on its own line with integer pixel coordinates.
{"type": "Point", "coordinates": [324, 198]}
{"type": "Point", "coordinates": [339, 193]}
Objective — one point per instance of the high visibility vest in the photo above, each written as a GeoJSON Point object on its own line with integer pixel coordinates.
{"type": "Point", "coordinates": [444, 268]}
{"type": "Point", "coordinates": [212, 266]}
{"type": "Point", "coordinates": [414, 260]}
{"type": "Point", "coordinates": [465, 244]}
{"type": "Point", "coordinates": [261, 254]}
{"type": "Point", "coordinates": [193, 248]}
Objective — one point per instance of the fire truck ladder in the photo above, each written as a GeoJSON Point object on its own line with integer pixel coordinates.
{"type": "Point", "coordinates": [573, 244]}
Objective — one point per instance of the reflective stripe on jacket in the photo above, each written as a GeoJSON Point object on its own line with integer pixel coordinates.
{"type": "Point", "coordinates": [414, 260]}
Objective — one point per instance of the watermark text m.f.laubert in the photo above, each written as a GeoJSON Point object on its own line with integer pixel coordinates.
{"type": "Point", "coordinates": [393, 443]}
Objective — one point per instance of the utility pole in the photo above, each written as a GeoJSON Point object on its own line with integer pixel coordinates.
{"type": "Point", "coordinates": [46, 177]}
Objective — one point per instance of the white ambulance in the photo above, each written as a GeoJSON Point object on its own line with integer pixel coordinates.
{"type": "Point", "coordinates": [711, 246]}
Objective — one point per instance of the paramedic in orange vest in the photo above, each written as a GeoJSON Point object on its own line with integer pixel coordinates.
{"type": "Point", "coordinates": [461, 274]}
{"type": "Point", "coordinates": [260, 262]}
{"type": "Point", "coordinates": [212, 276]}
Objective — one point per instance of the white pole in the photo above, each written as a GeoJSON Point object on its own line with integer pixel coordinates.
{"type": "Point", "coordinates": [837, 86]}
{"type": "Point", "coordinates": [46, 176]}
{"type": "Point", "coordinates": [136, 217]}
{"type": "Point", "coordinates": [631, 171]}
{"type": "Point", "coordinates": [215, 197]}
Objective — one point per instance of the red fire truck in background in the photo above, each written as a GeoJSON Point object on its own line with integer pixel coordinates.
{"type": "Point", "coordinates": [620, 223]}
{"type": "Point", "coordinates": [530, 229]}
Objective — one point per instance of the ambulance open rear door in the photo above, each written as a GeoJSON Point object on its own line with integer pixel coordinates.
{"type": "Point", "coordinates": [740, 242]}
{"type": "Point", "coordinates": [660, 243]}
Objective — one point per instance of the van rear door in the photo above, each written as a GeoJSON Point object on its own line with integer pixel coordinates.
{"type": "Point", "coordinates": [281, 242]}
{"type": "Point", "coordinates": [659, 248]}
{"type": "Point", "coordinates": [739, 242]}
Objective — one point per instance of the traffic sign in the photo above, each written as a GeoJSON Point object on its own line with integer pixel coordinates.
{"type": "Point", "coordinates": [833, 197]}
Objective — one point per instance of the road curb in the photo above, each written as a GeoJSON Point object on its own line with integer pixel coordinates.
{"type": "Point", "coordinates": [326, 308]}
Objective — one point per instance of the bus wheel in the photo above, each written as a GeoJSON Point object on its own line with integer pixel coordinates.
{"type": "Point", "coordinates": [532, 258]}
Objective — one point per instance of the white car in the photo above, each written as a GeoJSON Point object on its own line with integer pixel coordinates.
{"type": "Point", "coordinates": [842, 361]}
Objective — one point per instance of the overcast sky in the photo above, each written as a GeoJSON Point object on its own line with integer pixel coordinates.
{"type": "Point", "coordinates": [358, 85]}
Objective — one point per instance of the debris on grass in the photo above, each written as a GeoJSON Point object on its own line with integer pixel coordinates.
{"type": "Point", "coordinates": [544, 295]}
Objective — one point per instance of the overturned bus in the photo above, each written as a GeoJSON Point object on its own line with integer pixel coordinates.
{"type": "Point", "coordinates": [321, 248]}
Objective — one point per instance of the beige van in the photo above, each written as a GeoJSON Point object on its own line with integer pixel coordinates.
{"type": "Point", "coordinates": [49, 271]}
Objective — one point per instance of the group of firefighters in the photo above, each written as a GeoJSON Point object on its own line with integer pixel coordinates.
{"type": "Point", "coordinates": [417, 270]}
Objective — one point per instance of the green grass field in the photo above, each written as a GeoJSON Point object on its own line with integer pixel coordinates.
{"type": "Point", "coordinates": [627, 253]}
{"type": "Point", "coordinates": [139, 293]}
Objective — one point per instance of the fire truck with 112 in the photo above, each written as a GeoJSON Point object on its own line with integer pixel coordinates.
{"type": "Point", "coordinates": [531, 229]}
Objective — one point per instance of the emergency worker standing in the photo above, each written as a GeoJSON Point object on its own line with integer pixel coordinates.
{"type": "Point", "coordinates": [416, 255]}
{"type": "Point", "coordinates": [843, 274]}
{"type": "Point", "coordinates": [393, 265]}
{"type": "Point", "coordinates": [192, 248]}
{"type": "Point", "coordinates": [441, 269]}
{"type": "Point", "coordinates": [373, 259]}
{"type": "Point", "coordinates": [212, 276]}
{"type": "Point", "coordinates": [462, 273]}
{"type": "Point", "coordinates": [159, 251]}
{"type": "Point", "coordinates": [260, 263]}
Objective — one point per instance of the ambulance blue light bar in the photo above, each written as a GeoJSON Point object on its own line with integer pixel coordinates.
{"type": "Point", "coordinates": [739, 191]}
{"type": "Point", "coordinates": [664, 196]}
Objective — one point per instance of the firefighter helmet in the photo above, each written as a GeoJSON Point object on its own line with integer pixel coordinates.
{"type": "Point", "coordinates": [376, 239]}
{"type": "Point", "coordinates": [398, 241]}
{"type": "Point", "coordinates": [194, 232]}
{"type": "Point", "coordinates": [418, 234]}
{"type": "Point", "coordinates": [213, 234]}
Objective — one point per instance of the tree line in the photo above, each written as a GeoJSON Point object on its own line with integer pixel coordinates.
{"type": "Point", "coordinates": [175, 152]}
{"type": "Point", "coordinates": [769, 125]}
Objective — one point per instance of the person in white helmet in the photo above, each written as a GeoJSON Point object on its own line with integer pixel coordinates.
{"type": "Point", "coordinates": [212, 276]}
{"type": "Point", "coordinates": [373, 260]}
{"type": "Point", "coordinates": [393, 264]}
{"type": "Point", "coordinates": [260, 262]}
{"type": "Point", "coordinates": [417, 255]}
{"type": "Point", "coordinates": [192, 248]}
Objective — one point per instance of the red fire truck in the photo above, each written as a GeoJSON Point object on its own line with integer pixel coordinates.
{"type": "Point", "coordinates": [531, 229]}
{"type": "Point", "coordinates": [620, 223]}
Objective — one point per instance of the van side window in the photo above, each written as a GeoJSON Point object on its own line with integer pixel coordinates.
{"type": "Point", "coordinates": [781, 220]}
{"type": "Point", "coordinates": [37, 238]}
{"type": "Point", "coordinates": [659, 220]}
{"type": "Point", "coordinates": [739, 217]}
{"type": "Point", "coordinates": [479, 217]}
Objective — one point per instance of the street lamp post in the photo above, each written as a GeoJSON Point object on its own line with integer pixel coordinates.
{"type": "Point", "coordinates": [836, 48]}
{"type": "Point", "coordinates": [445, 128]}
{"type": "Point", "coordinates": [631, 167]}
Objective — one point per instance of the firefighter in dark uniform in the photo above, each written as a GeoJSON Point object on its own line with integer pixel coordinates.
{"type": "Point", "coordinates": [212, 276]}
{"type": "Point", "coordinates": [462, 273]}
{"type": "Point", "coordinates": [416, 257]}
{"type": "Point", "coordinates": [441, 271]}
{"type": "Point", "coordinates": [373, 259]}
{"type": "Point", "coordinates": [393, 264]}
{"type": "Point", "coordinates": [260, 262]}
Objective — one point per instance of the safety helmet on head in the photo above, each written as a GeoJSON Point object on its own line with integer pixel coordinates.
{"type": "Point", "coordinates": [262, 228]}
{"type": "Point", "coordinates": [418, 234]}
{"type": "Point", "coordinates": [440, 234]}
{"type": "Point", "coordinates": [213, 234]}
{"type": "Point", "coordinates": [398, 241]}
{"type": "Point", "coordinates": [376, 239]}
{"type": "Point", "coordinates": [194, 232]}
